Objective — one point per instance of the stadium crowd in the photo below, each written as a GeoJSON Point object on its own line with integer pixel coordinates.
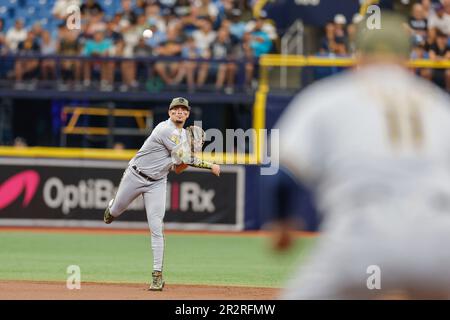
{"type": "Point", "coordinates": [428, 24]}
{"type": "Point", "coordinates": [202, 29]}
{"type": "Point", "coordinates": [222, 30]}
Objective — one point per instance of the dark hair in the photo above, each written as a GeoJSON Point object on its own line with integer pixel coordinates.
{"type": "Point", "coordinates": [206, 18]}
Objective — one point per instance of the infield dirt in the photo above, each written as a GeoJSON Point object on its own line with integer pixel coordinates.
{"type": "Point", "coordinates": [46, 290]}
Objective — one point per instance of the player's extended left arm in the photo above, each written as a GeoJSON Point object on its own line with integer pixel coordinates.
{"type": "Point", "coordinates": [202, 164]}
{"type": "Point", "coordinates": [184, 158]}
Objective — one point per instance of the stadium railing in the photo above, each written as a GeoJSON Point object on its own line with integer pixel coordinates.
{"type": "Point", "coordinates": [266, 64]}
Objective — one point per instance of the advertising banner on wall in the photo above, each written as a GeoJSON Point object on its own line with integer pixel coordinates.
{"type": "Point", "coordinates": [54, 192]}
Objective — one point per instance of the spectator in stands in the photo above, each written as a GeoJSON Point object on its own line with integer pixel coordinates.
{"type": "Point", "coordinates": [48, 48]}
{"type": "Point", "coordinates": [98, 47]}
{"type": "Point", "coordinates": [15, 35]}
{"type": "Point", "coordinates": [260, 41]}
{"type": "Point", "coordinates": [205, 9]}
{"type": "Point", "coordinates": [439, 20]}
{"type": "Point", "coordinates": [68, 44]}
{"type": "Point", "coordinates": [84, 34]}
{"type": "Point", "coordinates": [446, 4]}
{"type": "Point", "coordinates": [20, 143]}
{"type": "Point", "coordinates": [131, 36]}
{"type": "Point", "coordinates": [340, 47]}
{"type": "Point", "coordinates": [119, 146]}
{"type": "Point", "coordinates": [60, 7]}
{"type": "Point", "coordinates": [158, 37]}
{"type": "Point", "coordinates": [182, 8]}
{"type": "Point", "coordinates": [267, 27]}
{"type": "Point", "coordinates": [440, 51]}
{"type": "Point", "coordinates": [237, 25]}
{"type": "Point", "coordinates": [90, 8]}
{"type": "Point", "coordinates": [142, 49]}
{"type": "Point", "coordinates": [244, 51]}
{"type": "Point", "coordinates": [3, 47]}
{"type": "Point", "coordinates": [141, 5]}
{"type": "Point", "coordinates": [328, 41]}
{"type": "Point", "coordinates": [419, 52]}
{"type": "Point", "coordinates": [351, 33]}
{"type": "Point", "coordinates": [226, 24]}
{"type": "Point", "coordinates": [170, 19]}
{"type": "Point", "coordinates": [153, 17]}
{"type": "Point", "coordinates": [95, 23]}
{"type": "Point", "coordinates": [143, 68]}
{"type": "Point", "coordinates": [222, 49]}
{"type": "Point", "coordinates": [203, 38]}
{"type": "Point", "coordinates": [26, 68]}
{"type": "Point", "coordinates": [339, 26]}
{"type": "Point", "coordinates": [141, 24]}
{"type": "Point", "coordinates": [247, 10]}
{"type": "Point", "coordinates": [37, 31]}
{"type": "Point", "coordinates": [127, 12]}
{"type": "Point", "coordinates": [426, 6]}
{"type": "Point", "coordinates": [112, 31]}
{"type": "Point", "coordinates": [168, 4]}
{"type": "Point", "coordinates": [118, 50]}
{"type": "Point", "coordinates": [227, 9]}
{"type": "Point", "coordinates": [168, 70]}
{"type": "Point", "coordinates": [187, 68]}
{"type": "Point", "coordinates": [417, 22]}
{"type": "Point", "coordinates": [186, 16]}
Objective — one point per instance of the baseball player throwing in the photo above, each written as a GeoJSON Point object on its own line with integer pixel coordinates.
{"type": "Point", "coordinates": [373, 145]}
{"type": "Point", "coordinates": [169, 146]}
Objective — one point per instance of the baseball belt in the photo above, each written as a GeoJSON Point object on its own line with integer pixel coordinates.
{"type": "Point", "coordinates": [143, 175]}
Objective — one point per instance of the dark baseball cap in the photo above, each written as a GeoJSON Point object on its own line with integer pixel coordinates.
{"type": "Point", "coordinates": [180, 101]}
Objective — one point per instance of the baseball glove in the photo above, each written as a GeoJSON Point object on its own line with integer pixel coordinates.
{"type": "Point", "coordinates": [196, 138]}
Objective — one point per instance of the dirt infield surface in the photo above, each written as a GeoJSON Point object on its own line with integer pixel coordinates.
{"type": "Point", "coordinates": [45, 290]}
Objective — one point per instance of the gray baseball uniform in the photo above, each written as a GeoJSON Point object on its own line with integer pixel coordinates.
{"type": "Point", "coordinates": [374, 147]}
{"type": "Point", "coordinates": [153, 160]}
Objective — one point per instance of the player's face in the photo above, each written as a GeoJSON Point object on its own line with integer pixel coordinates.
{"type": "Point", "coordinates": [179, 114]}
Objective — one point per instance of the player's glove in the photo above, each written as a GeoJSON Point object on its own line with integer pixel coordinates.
{"type": "Point", "coordinates": [196, 138]}
{"type": "Point", "coordinates": [186, 151]}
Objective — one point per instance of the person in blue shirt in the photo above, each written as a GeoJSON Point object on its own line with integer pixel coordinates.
{"type": "Point", "coordinates": [98, 47]}
{"type": "Point", "coordinates": [158, 35]}
{"type": "Point", "coordinates": [260, 41]}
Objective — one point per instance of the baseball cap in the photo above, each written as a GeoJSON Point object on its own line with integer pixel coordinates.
{"type": "Point", "coordinates": [180, 101]}
{"type": "Point", "coordinates": [340, 19]}
{"type": "Point", "coordinates": [392, 38]}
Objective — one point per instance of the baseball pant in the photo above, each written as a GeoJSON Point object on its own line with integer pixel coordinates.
{"type": "Point", "coordinates": [154, 194]}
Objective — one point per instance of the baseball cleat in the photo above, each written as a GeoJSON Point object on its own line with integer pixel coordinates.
{"type": "Point", "coordinates": [107, 217]}
{"type": "Point", "coordinates": [158, 282]}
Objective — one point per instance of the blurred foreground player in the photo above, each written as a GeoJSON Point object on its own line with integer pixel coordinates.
{"type": "Point", "coordinates": [373, 145]}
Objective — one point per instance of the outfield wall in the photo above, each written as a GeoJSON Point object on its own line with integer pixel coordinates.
{"type": "Point", "coordinates": [75, 192]}
{"type": "Point", "coordinates": [71, 187]}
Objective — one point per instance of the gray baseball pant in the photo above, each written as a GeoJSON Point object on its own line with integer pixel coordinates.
{"type": "Point", "coordinates": [154, 193]}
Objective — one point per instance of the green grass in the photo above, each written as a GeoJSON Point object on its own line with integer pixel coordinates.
{"type": "Point", "coordinates": [189, 259]}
